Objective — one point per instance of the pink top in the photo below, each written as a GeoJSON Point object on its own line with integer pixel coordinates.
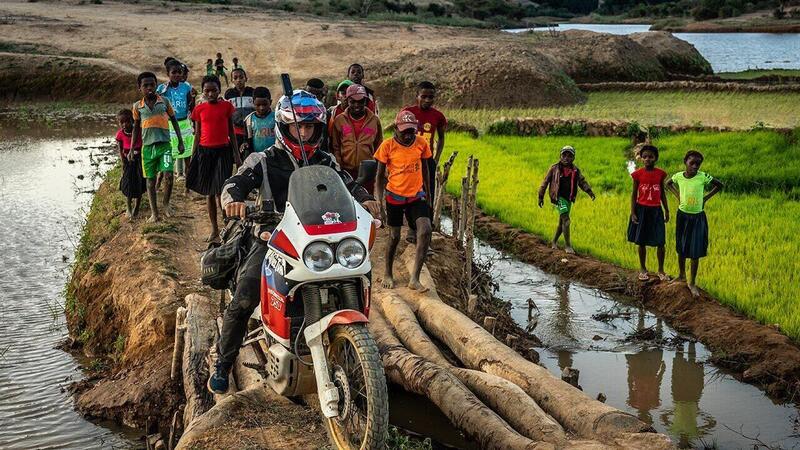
{"type": "Point", "coordinates": [125, 139]}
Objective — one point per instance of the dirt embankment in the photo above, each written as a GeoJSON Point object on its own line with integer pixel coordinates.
{"type": "Point", "coordinates": [691, 85]}
{"type": "Point", "coordinates": [755, 353]}
{"type": "Point", "coordinates": [676, 55]}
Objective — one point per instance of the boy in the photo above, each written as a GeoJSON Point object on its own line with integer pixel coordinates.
{"type": "Point", "coordinates": [260, 124]}
{"type": "Point", "coordinates": [355, 73]}
{"type": "Point", "coordinates": [432, 127]}
{"type": "Point", "coordinates": [236, 63]}
{"type": "Point", "coordinates": [355, 134]}
{"type": "Point", "coordinates": [341, 102]}
{"type": "Point", "coordinates": [649, 195]}
{"type": "Point", "coordinates": [691, 225]}
{"type": "Point", "coordinates": [241, 96]}
{"type": "Point", "coordinates": [219, 64]}
{"type": "Point", "coordinates": [152, 116]}
{"type": "Point", "coordinates": [209, 67]}
{"type": "Point", "coordinates": [179, 94]}
{"type": "Point", "coordinates": [404, 194]}
{"type": "Point", "coordinates": [317, 87]}
{"type": "Point", "coordinates": [563, 179]}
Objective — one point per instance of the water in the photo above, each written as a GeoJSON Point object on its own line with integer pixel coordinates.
{"type": "Point", "coordinates": [727, 52]}
{"type": "Point", "coordinates": [673, 387]}
{"type": "Point", "coordinates": [42, 206]}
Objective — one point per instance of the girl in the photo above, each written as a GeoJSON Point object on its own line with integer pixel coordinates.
{"type": "Point", "coordinates": [132, 184]}
{"type": "Point", "coordinates": [215, 149]}
{"type": "Point", "coordinates": [646, 225]}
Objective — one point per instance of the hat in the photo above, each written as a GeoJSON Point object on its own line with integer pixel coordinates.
{"type": "Point", "coordinates": [567, 149]}
{"type": "Point", "coordinates": [356, 92]}
{"type": "Point", "coordinates": [343, 84]}
{"type": "Point", "coordinates": [405, 120]}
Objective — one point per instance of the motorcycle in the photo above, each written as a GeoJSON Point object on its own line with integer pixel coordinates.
{"type": "Point", "coordinates": [311, 325]}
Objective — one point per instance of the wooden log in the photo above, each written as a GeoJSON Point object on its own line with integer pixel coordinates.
{"type": "Point", "coordinates": [246, 377]}
{"type": "Point", "coordinates": [177, 348]}
{"type": "Point", "coordinates": [456, 401]}
{"type": "Point", "coordinates": [489, 323]}
{"type": "Point", "coordinates": [200, 333]}
{"type": "Point", "coordinates": [571, 376]}
{"type": "Point", "coordinates": [472, 303]}
{"type": "Point", "coordinates": [502, 396]}
{"type": "Point", "coordinates": [176, 428]}
{"type": "Point", "coordinates": [511, 340]}
{"type": "Point", "coordinates": [462, 208]}
{"type": "Point", "coordinates": [477, 349]}
{"type": "Point", "coordinates": [441, 187]}
{"type": "Point", "coordinates": [469, 237]}
{"type": "Point", "coordinates": [455, 215]}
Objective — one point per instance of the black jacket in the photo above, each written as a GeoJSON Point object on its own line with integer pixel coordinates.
{"type": "Point", "coordinates": [280, 167]}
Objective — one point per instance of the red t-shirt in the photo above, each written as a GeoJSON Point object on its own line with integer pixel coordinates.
{"type": "Point", "coordinates": [213, 119]}
{"type": "Point", "coordinates": [649, 186]}
{"type": "Point", "coordinates": [358, 124]}
{"type": "Point", "coordinates": [125, 139]}
{"type": "Point", "coordinates": [429, 121]}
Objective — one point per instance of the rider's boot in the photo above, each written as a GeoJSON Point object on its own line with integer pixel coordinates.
{"type": "Point", "coordinates": [218, 381]}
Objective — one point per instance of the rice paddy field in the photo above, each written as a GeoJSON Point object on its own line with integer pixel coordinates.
{"type": "Point", "coordinates": [738, 110]}
{"type": "Point", "coordinates": [752, 264]}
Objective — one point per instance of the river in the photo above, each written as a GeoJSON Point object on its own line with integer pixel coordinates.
{"type": "Point", "coordinates": [42, 206]}
{"type": "Point", "coordinates": [666, 380]}
{"type": "Point", "coordinates": [727, 52]}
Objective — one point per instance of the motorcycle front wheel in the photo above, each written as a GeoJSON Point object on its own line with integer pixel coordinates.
{"type": "Point", "coordinates": [357, 371]}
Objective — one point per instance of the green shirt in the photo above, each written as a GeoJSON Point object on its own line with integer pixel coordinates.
{"type": "Point", "coordinates": [692, 191]}
{"type": "Point", "coordinates": [155, 122]}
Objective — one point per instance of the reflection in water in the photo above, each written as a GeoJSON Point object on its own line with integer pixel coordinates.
{"type": "Point", "coordinates": [563, 320]}
{"type": "Point", "coordinates": [645, 371]}
{"type": "Point", "coordinates": [687, 388]}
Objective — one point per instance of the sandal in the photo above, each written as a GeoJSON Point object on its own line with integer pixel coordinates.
{"type": "Point", "coordinates": [643, 276]}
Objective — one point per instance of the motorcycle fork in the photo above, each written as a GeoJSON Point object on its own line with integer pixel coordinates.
{"type": "Point", "coordinates": [317, 341]}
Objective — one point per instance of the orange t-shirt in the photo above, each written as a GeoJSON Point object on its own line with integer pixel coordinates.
{"type": "Point", "coordinates": [404, 165]}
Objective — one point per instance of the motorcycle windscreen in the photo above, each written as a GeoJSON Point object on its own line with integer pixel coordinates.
{"type": "Point", "coordinates": [320, 198]}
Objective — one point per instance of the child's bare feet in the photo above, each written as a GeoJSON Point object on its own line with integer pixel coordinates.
{"type": "Point", "coordinates": [167, 210]}
{"type": "Point", "coordinates": [213, 237]}
{"type": "Point", "coordinates": [569, 250]}
{"type": "Point", "coordinates": [129, 213]}
{"type": "Point", "coordinates": [388, 282]}
{"type": "Point", "coordinates": [554, 246]}
{"type": "Point", "coordinates": [663, 276]}
{"type": "Point", "coordinates": [153, 219]}
{"type": "Point", "coordinates": [417, 286]}
{"type": "Point", "coordinates": [643, 276]}
{"type": "Point", "coordinates": [693, 289]}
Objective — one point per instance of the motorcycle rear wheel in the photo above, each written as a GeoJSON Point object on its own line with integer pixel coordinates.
{"type": "Point", "coordinates": [357, 371]}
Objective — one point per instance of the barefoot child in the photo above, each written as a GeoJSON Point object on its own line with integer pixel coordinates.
{"type": "Point", "coordinates": [691, 225]}
{"type": "Point", "coordinates": [563, 179]}
{"type": "Point", "coordinates": [215, 149]}
{"type": "Point", "coordinates": [132, 183]}
{"type": "Point", "coordinates": [219, 65]}
{"type": "Point", "coordinates": [404, 194]}
{"type": "Point", "coordinates": [179, 94]}
{"type": "Point", "coordinates": [152, 116]}
{"type": "Point", "coordinates": [260, 124]}
{"type": "Point", "coordinates": [646, 226]}
{"type": "Point", "coordinates": [209, 67]}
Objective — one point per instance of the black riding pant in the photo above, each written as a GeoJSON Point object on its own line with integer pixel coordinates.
{"type": "Point", "coordinates": [244, 301]}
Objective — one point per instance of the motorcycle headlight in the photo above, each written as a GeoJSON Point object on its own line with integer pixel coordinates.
{"type": "Point", "coordinates": [318, 256]}
{"type": "Point", "coordinates": [350, 253]}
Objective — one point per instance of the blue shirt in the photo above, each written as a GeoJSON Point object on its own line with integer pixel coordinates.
{"type": "Point", "coordinates": [261, 130]}
{"type": "Point", "coordinates": [177, 96]}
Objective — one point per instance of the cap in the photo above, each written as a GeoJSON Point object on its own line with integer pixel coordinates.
{"type": "Point", "coordinates": [356, 92]}
{"type": "Point", "coordinates": [567, 149]}
{"type": "Point", "coordinates": [405, 120]}
{"type": "Point", "coordinates": [343, 84]}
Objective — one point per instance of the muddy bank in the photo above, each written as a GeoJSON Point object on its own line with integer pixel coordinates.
{"type": "Point", "coordinates": [677, 56]}
{"type": "Point", "coordinates": [755, 353]}
{"type": "Point", "coordinates": [770, 26]}
{"type": "Point", "coordinates": [42, 77]}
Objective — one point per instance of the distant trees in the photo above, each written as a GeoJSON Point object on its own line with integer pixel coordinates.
{"type": "Point", "coordinates": [697, 9]}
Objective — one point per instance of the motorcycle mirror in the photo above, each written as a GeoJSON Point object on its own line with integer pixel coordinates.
{"type": "Point", "coordinates": [367, 171]}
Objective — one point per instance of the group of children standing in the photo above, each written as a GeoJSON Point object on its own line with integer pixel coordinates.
{"type": "Point", "coordinates": [649, 211]}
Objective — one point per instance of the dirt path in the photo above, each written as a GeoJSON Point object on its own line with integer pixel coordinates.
{"type": "Point", "coordinates": [755, 353]}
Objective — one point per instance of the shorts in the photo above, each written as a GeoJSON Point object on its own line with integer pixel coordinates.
{"type": "Point", "coordinates": [563, 206]}
{"type": "Point", "coordinates": [691, 235]}
{"type": "Point", "coordinates": [650, 230]}
{"type": "Point", "coordinates": [156, 158]}
{"type": "Point", "coordinates": [187, 133]}
{"type": "Point", "coordinates": [412, 211]}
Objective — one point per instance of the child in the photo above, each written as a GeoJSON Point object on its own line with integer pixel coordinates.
{"type": "Point", "coordinates": [209, 67]}
{"type": "Point", "coordinates": [132, 183]}
{"type": "Point", "coordinates": [219, 64]}
{"type": "Point", "coordinates": [260, 124]}
{"type": "Point", "coordinates": [356, 134]}
{"type": "Point", "coordinates": [341, 102]}
{"type": "Point", "coordinates": [152, 116]}
{"type": "Point", "coordinates": [432, 127]}
{"type": "Point", "coordinates": [215, 149]}
{"type": "Point", "coordinates": [649, 195]}
{"type": "Point", "coordinates": [355, 73]}
{"type": "Point", "coordinates": [404, 194]}
{"type": "Point", "coordinates": [241, 96]}
{"type": "Point", "coordinates": [236, 64]}
{"type": "Point", "coordinates": [179, 94]}
{"type": "Point", "coordinates": [563, 179]}
{"type": "Point", "coordinates": [691, 225]}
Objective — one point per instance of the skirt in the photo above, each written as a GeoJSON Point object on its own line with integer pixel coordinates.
{"type": "Point", "coordinates": [691, 235]}
{"type": "Point", "coordinates": [132, 184]}
{"type": "Point", "coordinates": [208, 170]}
{"type": "Point", "coordinates": [650, 230]}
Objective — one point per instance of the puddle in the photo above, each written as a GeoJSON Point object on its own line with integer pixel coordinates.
{"type": "Point", "coordinates": [665, 380]}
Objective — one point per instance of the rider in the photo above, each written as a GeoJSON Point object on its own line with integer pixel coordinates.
{"type": "Point", "coordinates": [280, 161]}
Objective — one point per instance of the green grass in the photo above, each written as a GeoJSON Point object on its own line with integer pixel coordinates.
{"type": "Point", "coordinates": [751, 265]}
{"type": "Point", "coordinates": [739, 110]}
{"type": "Point", "coordinates": [757, 73]}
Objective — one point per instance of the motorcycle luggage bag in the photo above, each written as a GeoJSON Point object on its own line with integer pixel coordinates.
{"type": "Point", "coordinates": [219, 263]}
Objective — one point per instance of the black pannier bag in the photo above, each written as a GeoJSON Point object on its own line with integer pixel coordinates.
{"type": "Point", "coordinates": [219, 263]}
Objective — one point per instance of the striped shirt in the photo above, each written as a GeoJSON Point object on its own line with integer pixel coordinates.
{"type": "Point", "coordinates": [155, 122]}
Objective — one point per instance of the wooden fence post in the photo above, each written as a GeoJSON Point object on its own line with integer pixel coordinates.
{"type": "Point", "coordinates": [441, 183]}
{"type": "Point", "coordinates": [469, 219]}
